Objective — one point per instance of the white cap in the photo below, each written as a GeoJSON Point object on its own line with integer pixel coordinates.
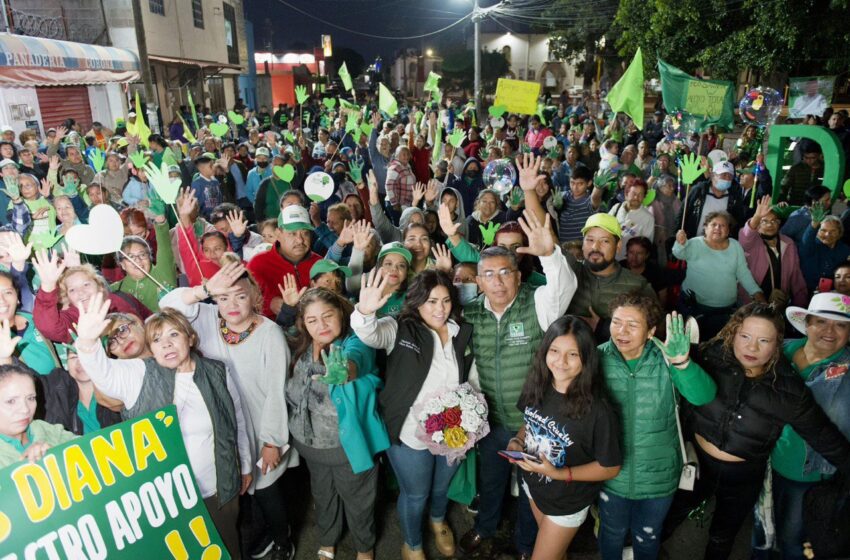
{"type": "Point", "coordinates": [131, 114]}
{"type": "Point", "coordinates": [6, 128]}
{"type": "Point", "coordinates": [7, 161]}
{"type": "Point", "coordinates": [723, 167]}
{"type": "Point", "coordinates": [261, 151]}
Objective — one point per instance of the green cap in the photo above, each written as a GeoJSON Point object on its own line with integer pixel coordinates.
{"type": "Point", "coordinates": [293, 218]}
{"type": "Point", "coordinates": [395, 247]}
{"type": "Point", "coordinates": [605, 221]}
{"type": "Point", "coordinates": [326, 265]}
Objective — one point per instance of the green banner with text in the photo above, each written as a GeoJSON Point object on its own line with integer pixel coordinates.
{"type": "Point", "coordinates": [709, 101]}
{"type": "Point", "coordinates": [122, 492]}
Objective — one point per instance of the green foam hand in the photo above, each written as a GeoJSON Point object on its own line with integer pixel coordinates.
{"type": "Point", "coordinates": [691, 169]}
{"type": "Point", "coordinates": [336, 367]}
{"type": "Point", "coordinates": [12, 190]}
{"type": "Point", "coordinates": [235, 118]}
{"type": "Point", "coordinates": [284, 172]}
{"type": "Point", "coordinates": [289, 137]}
{"type": "Point", "coordinates": [482, 154]}
{"type": "Point", "coordinates": [44, 240]}
{"type": "Point", "coordinates": [219, 129]}
{"type": "Point", "coordinates": [604, 179]}
{"type": "Point", "coordinates": [649, 198]}
{"type": "Point", "coordinates": [69, 186]}
{"type": "Point", "coordinates": [818, 212]}
{"type": "Point", "coordinates": [97, 159]}
{"type": "Point", "coordinates": [488, 234]}
{"type": "Point", "coordinates": [301, 94]}
{"type": "Point", "coordinates": [497, 111]}
{"type": "Point", "coordinates": [553, 153]}
{"type": "Point", "coordinates": [678, 344]}
{"type": "Point", "coordinates": [517, 196]}
{"type": "Point", "coordinates": [356, 172]}
{"type": "Point", "coordinates": [526, 149]}
{"type": "Point", "coordinates": [166, 187]}
{"type": "Point", "coordinates": [456, 138]}
{"type": "Point", "coordinates": [157, 205]}
{"type": "Point", "coordinates": [139, 159]}
{"type": "Point", "coordinates": [557, 199]}
{"type": "Point", "coordinates": [366, 129]}
{"type": "Point", "coordinates": [329, 102]}
{"type": "Point", "coordinates": [351, 125]}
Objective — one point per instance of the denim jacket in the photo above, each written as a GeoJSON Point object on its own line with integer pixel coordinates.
{"type": "Point", "coordinates": [830, 385]}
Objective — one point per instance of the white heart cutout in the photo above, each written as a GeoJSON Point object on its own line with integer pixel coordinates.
{"type": "Point", "coordinates": [102, 235]}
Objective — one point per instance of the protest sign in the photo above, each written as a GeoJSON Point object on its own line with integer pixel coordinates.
{"type": "Point", "coordinates": [122, 492]}
{"type": "Point", "coordinates": [517, 96]}
{"type": "Point", "coordinates": [809, 96]}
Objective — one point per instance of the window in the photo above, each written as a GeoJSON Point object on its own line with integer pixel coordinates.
{"type": "Point", "coordinates": [531, 74]}
{"type": "Point", "coordinates": [157, 6]}
{"type": "Point", "coordinates": [198, 13]}
{"type": "Point", "coordinates": [230, 37]}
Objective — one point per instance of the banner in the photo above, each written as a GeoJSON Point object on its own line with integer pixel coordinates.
{"type": "Point", "coordinates": [517, 96]}
{"type": "Point", "coordinates": [710, 101]}
{"type": "Point", "coordinates": [809, 96]}
{"type": "Point", "coordinates": [122, 492]}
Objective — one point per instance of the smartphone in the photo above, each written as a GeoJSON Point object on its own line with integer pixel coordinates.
{"type": "Point", "coordinates": [518, 456]}
{"type": "Point", "coordinates": [825, 285]}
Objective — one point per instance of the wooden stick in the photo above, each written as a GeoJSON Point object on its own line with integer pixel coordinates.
{"type": "Point", "coordinates": [142, 270]}
{"type": "Point", "coordinates": [685, 206]}
{"type": "Point", "coordinates": [186, 238]}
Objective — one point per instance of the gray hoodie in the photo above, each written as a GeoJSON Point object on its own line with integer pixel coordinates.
{"type": "Point", "coordinates": [387, 231]}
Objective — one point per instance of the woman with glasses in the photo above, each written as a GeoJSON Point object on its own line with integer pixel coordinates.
{"type": "Point", "coordinates": [126, 337]}
{"type": "Point", "coordinates": [772, 258]}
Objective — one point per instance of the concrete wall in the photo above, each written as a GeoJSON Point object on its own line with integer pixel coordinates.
{"type": "Point", "coordinates": [19, 96]}
{"type": "Point", "coordinates": [527, 52]}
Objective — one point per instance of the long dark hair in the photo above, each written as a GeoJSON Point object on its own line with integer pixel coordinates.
{"type": "Point", "coordinates": [302, 340]}
{"type": "Point", "coordinates": [420, 290]}
{"type": "Point", "coordinates": [584, 389]}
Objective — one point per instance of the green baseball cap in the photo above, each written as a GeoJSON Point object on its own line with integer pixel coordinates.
{"type": "Point", "coordinates": [605, 221]}
{"type": "Point", "coordinates": [325, 265]}
{"type": "Point", "coordinates": [293, 218]}
{"type": "Point", "coordinates": [395, 247]}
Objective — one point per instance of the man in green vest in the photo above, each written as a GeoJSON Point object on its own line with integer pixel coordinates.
{"type": "Point", "coordinates": [509, 319]}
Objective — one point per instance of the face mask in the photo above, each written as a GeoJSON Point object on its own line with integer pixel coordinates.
{"type": "Point", "coordinates": [338, 177]}
{"type": "Point", "coordinates": [262, 164]}
{"type": "Point", "coordinates": [471, 173]}
{"type": "Point", "coordinates": [466, 291]}
{"type": "Point", "coordinates": [723, 185]}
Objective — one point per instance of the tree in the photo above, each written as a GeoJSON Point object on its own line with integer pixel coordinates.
{"type": "Point", "coordinates": [577, 29]}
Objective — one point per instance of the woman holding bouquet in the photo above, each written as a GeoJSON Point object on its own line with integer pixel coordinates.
{"type": "Point", "coordinates": [571, 428]}
{"type": "Point", "coordinates": [429, 351]}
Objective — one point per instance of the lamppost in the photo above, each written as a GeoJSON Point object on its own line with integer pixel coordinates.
{"type": "Point", "coordinates": [476, 45]}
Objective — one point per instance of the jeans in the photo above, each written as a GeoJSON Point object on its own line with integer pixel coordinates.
{"type": "Point", "coordinates": [420, 475]}
{"type": "Point", "coordinates": [272, 501]}
{"type": "Point", "coordinates": [643, 518]}
{"type": "Point", "coordinates": [788, 511]}
{"type": "Point", "coordinates": [494, 477]}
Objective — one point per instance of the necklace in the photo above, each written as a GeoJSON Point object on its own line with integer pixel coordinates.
{"type": "Point", "coordinates": [231, 337]}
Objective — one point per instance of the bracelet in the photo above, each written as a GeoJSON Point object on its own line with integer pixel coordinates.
{"type": "Point", "coordinates": [519, 441]}
{"type": "Point", "coordinates": [569, 475]}
{"type": "Point", "coordinates": [682, 363]}
{"type": "Point", "coordinates": [270, 446]}
{"type": "Point", "coordinates": [206, 291]}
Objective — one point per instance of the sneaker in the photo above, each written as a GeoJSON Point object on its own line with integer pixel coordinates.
{"type": "Point", "coordinates": [282, 553]}
{"type": "Point", "coordinates": [261, 547]}
{"type": "Point", "coordinates": [473, 505]}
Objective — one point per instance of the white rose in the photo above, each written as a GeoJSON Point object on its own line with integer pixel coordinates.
{"type": "Point", "coordinates": [470, 423]}
{"type": "Point", "coordinates": [433, 407]}
{"type": "Point", "coordinates": [449, 399]}
{"type": "Point", "coordinates": [437, 437]}
{"type": "Point", "coordinates": [468, 402]}
{"type": "Point", "coordinates": [423, 416]}
{"type": "Point", "coordinates": [480, 409]}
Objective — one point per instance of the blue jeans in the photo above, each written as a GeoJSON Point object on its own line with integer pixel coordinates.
{"type": "Point", "coordinates": [644, 518]}
{"type": "Point", "coordinates": [494, 478]}
{"type": "Point", "coordinates": [420, 475]}
{"type": "Point", "coordinates": [788, 508]}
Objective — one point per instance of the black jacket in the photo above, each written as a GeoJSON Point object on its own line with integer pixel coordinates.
{"type": "Point", "coordinates": [737, 207]}
{"type": "Point", "coordinates": [61, 396]}
{"type": "Point", "coordinates": [747, 415]}
{"type": "Point", "coordinates": [408, 365]}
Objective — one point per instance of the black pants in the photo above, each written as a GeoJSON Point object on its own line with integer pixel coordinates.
{"type": "Point", "coordinates": [736, 488]}
{"type": "Point", "coordinates": [272, 503]}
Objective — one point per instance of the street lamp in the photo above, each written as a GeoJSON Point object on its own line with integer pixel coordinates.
{"type": "Point", "coordinates": [429, 52]}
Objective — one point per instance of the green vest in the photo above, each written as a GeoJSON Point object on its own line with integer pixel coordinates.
{"type": "Point", "coordinates": [503, 351]}
{"type": "Point", "coordinates": [211, 379]}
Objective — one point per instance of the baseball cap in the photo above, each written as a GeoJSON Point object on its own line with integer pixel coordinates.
{"type": "Point", "coordinates": [131, 114]}
{"type": "Point", "coordinates": [395, 247]}
{"type": "Point", "coordinates": [262, 152]}
{"type": "Point", "coordinates": [293, 218]}
{"type": "Point", "coordinates": [174, 169]}
{"type": "Point", "coordinates": [723, 167]}
{"type": "Point", "coordinates": [6, 128]}
{"type": "Point", "coordinates": [605, 221]}
{"type": "Point", "coordinates": [7, 161]}
{"type": "Point", "coordinates": [325, 265]}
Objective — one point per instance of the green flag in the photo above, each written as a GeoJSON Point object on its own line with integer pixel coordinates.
{"type": "Point", "coordinates": [710, 101]}
{"type": "Point", "coordinates": [431, 83]}
{"type": "Point", "coordinates": [345, 77]}
{"type": "Point", "coordinates": [386, 101]}
{"type": "Point", "coordinates": [627, 94]}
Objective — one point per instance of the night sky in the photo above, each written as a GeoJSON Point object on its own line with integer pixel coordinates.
{"type": "Point", "coordinates": [379, 17]}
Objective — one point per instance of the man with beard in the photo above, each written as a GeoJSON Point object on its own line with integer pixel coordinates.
{"type": "Point", "coordinates": [600, 277]}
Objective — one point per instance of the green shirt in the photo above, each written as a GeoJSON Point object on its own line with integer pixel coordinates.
{"type": "Point", "coordinates": [16, 443]}
{"type": "Point", "coordinates": [393, 306]}
{"type": "Point", "coordinates": [88, 416]}
{"type": "Point", "coordinates": [33, 350]}
{"type": "Point", "coordinates": [165, 272]}
{"type": "Point", "coordinates": [632, 364]}
{"type": "Point", "coordinates": [789, 453]}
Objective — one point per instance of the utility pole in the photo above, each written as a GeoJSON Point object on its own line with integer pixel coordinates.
{"type": "Point", "coordinates": [142, 45]}
{"type": "Point", "coordinates": [476, 19]}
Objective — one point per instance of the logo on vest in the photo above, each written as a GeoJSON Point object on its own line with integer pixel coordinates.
{"type": "Point", "coordinates": [516, 335]}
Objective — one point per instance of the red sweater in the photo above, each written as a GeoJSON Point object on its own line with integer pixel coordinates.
{"type": "Point", "coordinates": [270, 267]}
{"type": "Point", "coordinates": [54, 323]}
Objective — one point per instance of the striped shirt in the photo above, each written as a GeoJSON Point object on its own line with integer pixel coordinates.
{"type": "Point", "coordinates": [574, 214]}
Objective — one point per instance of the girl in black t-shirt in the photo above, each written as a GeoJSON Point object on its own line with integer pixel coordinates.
{"type": "Point", "coordinates": [571, 428]}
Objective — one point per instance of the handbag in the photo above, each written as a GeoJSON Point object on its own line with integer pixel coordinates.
{"type": "Point", "coordinates": [463, 487]}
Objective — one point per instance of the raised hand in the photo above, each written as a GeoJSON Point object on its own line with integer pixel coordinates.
{"type": "Point", "coordinates": [49, 269]}
{"type": "Point", "coordinates": [289, 290]}
{"type": "Point", "coordinates": [236, 221]}
{"type": "Point", "coordinates": [557, 199]}
{"type": "Point", "coordinates": [346, 236]}
{"type": "Point", "coordinates": [157, 206]}
{"type": "Point", "coordinates": [223, 280]}
{"type": "Point", "coordinates": [336, 367]}
{"type": "Point", "coordinates": [691, 168]}
{"type": "Point", "coordinates": [362, 235]}
{"type": "Point", "coordinates": [529, 172]}
{"type": "Point", "coordinates": [373, 189]}
{"type": "Point", "coordinates": [71, 258]}
{"type": "Point", "coordinates": [681, 237]}
{"type": "Point", "coordinates": [45, 188]}
{"type": "Point", "coordinates": [604, 179]}
{"type": "Point", "coordinates": [677, 348]}
{"type": "Point", "coordinates": [431, 191]}
{"type": "Point", "coordinates": [356, 172]}
{"type": "Point", "coordinates": [818, 213]}
{"type": "Point", "coordinates": [187, 204]}
{"type": "Point", "coordinates": [97, 159]}
{"type": "Point", "coordinates": [540, 241]}
{"type": "Point", "coordinates": [12, 190]}
{"type": "Point", "coordinates": [517, 196]}
{"type": "Point", "coordinates": [443, 258]}
{"type": "Point", "coordinates": [372, 295]}
{"type": "Point", "coordinates": [18, 252]}
{"type": "Point", "coordinates": [54, 163]}
{"type": "Point", "coordinates": [418, 194]}
{"type": "Point", "coordinates": [7, 342]}
{"type": "Point", "coordinates": [92, 321]}
{"type": "Point", "coordinates": [448, 225]}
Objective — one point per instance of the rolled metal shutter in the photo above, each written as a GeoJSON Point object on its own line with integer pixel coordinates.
{"type": "Point", "coordinates": [58, 103]}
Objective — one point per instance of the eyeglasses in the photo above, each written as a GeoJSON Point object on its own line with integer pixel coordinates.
{"type": "Point", "coordinates": [121, 333]}
{"type": "Point", "coordinates": [502, 273]}
{"type": "Point", "coordinates": [770, 221]}
{"type": "Point", "coordinates": [138, 257]}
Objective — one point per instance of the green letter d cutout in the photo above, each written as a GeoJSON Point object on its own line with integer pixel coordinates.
{"type": "Point", "coordinates": [833, 153]}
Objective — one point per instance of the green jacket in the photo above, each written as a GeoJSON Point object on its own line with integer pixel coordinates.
{"type": "Point", "coordinates": [165, 271]}
{"type": "Point", "coordinates": [652, 460]}
{"type": "Point", "coordinates": [503, 350]}
{"type": "Point", "coordinates": [38, 431]}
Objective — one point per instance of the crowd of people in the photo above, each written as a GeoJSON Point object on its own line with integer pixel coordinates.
{"type": "Point", "coordinates": [292, 330]}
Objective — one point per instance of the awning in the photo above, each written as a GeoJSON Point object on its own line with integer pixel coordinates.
{"type": "Point", "coordinates": [204, 64]}
{"type": "Point", "coordinates": [33, 61]}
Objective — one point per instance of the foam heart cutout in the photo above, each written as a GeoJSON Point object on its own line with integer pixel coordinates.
{"type": "Point", "coordinates": [284, 172]}
{"type": "Point", "coordinates": [235, 118]}
{"type": "Point", "coordinates": [497, 110]}
{"type": "Point", "coordinates": [102, 235]}
{"type": "Point", "coordinates": [219, 129]}
{"type": "Point", "coordinates": [329, 102]}
{"type": "Point", "coordinates": [650, 196]}
{"type": "Point", "coordinates": [366, 128]}
{"type": "Point", "coordinates": [847, 188]}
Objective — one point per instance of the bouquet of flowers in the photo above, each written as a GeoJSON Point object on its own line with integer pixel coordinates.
{"type": "Point", "coordinates": [450, 422]}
